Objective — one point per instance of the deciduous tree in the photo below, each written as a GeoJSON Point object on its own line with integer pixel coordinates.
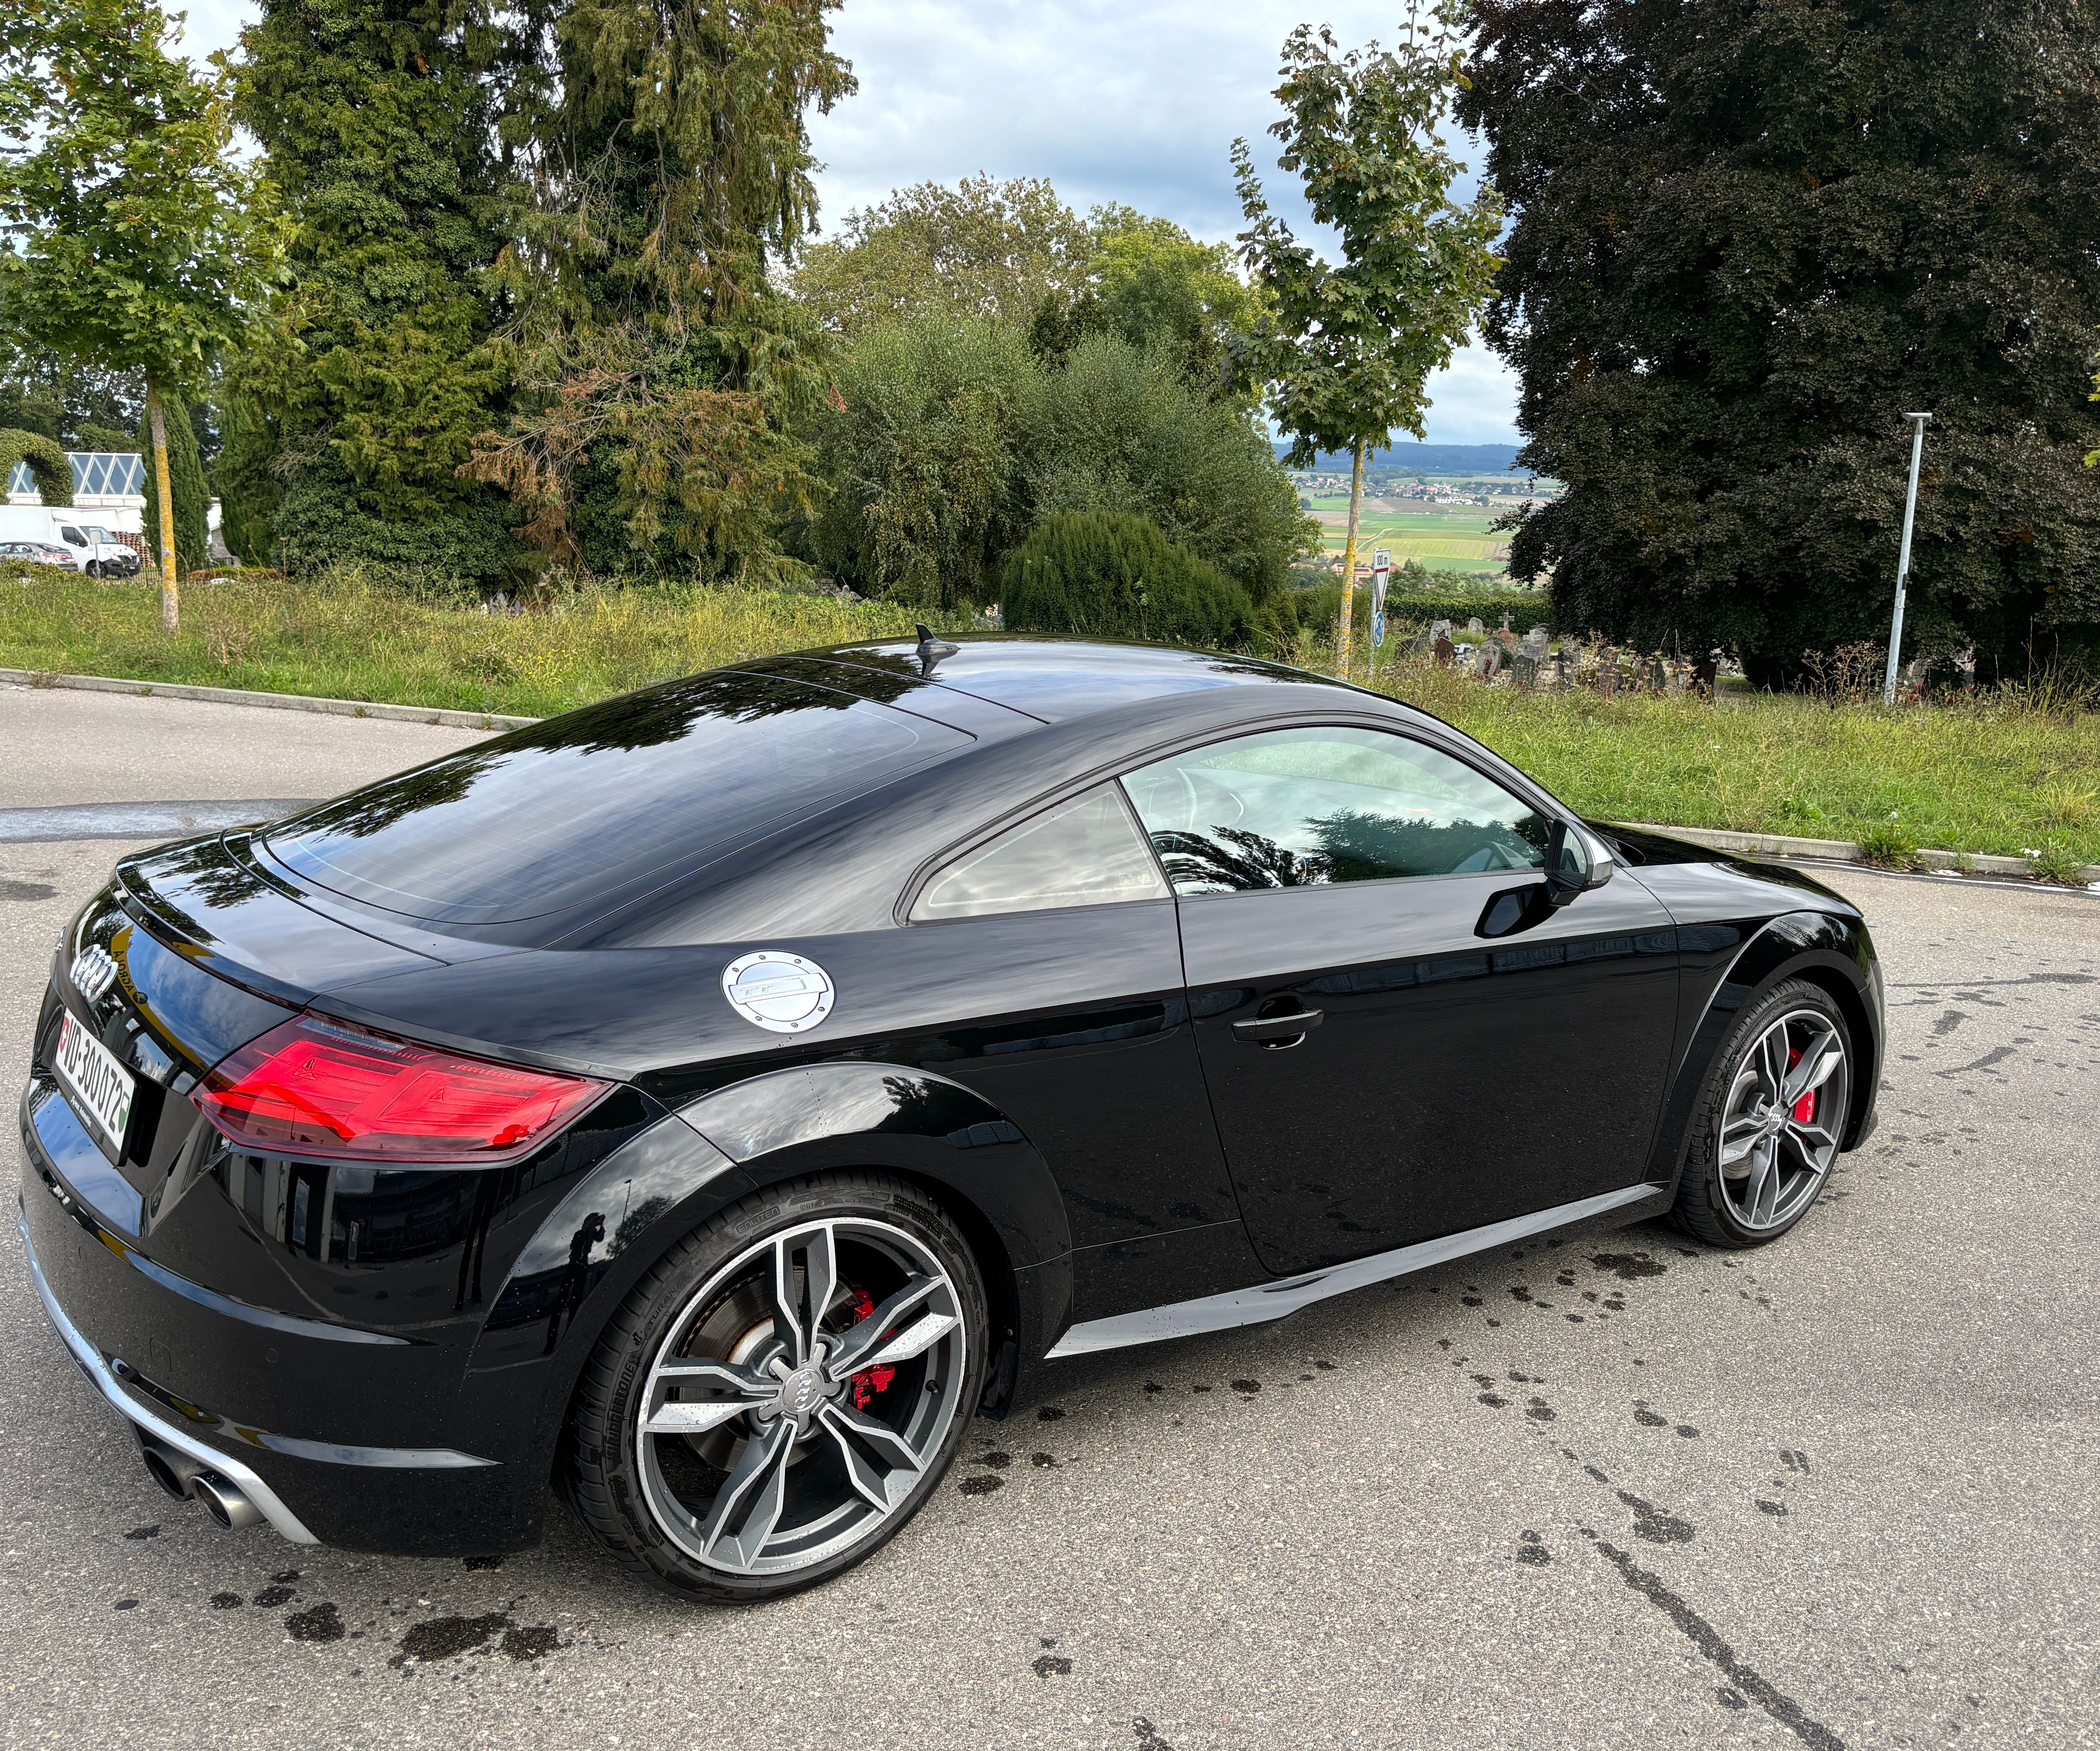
{"type": "Point", "coordinates": [1750, 236]}
{"type": "Point", "coordinates": [1346, 357]}
{"type": "Point", "coordinates": [139, 242]}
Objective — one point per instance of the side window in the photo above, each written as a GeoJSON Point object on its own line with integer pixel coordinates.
{"type": "Point", "coordinates": [1087, 851]}
{"type": "Point", "coordinates": [72, 536]}
{"type": "Point", "coordinates": [1304, 807]}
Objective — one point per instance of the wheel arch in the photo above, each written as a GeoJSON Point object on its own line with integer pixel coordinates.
{"type": "Point", "coordinates": [626, 1216]}
{"type": "Point", "coordinates": [1828, 950]}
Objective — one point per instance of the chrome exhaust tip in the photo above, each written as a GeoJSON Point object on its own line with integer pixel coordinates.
{"type": "Point", "coordinates": [224, 1503]}
{"type": "Point", "coordinates": [164, 1474]}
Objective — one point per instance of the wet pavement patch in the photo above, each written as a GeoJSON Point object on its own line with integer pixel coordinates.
{"type": "Point", "coordinates": [1654, 1524]}
{"type": "Point", "coordinates": [1050, 1414]}
{"type": "Point", "coordinates": [441, 1638]}
{"type": "Point", "coordinates": [997, 1462]}
{"type": "Point", "coordinates": [318, 1623]}
{"type": "Point", "coordinates": [1703, 1636]}
{"type": "Point", "coordinates": [980, 1486]}
{"type": "Point", "coordinates": [1043, 1461]}
{"type": "Point", "coordinates": [126, 1605]}
{"type": "Point", "coordinates": [270, 1598]}
{"type": "Point", "coordinates": [225, 1601]}
{"type": "Point", "coordinates": [1531, 1549]}
{"type": "Point", "coordinates": [1247, 1388]}
{"type": "Point", "coordinates": [479, 1565]}
{"type": "Point", "coordinates": [533, 1643]}
{"type": "Point", "coordinates": [1627, 1266]}
{"type": "Point", "coordinates": [138, 1533]}
{"type": "Point", "coordinates": [1044, 1665]}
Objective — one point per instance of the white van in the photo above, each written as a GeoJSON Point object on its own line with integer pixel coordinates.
{"type": "Point", "coordinates": [94, 548]}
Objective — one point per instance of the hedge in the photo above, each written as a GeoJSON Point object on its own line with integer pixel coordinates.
{"type": "Point", "coordinates": [1114, 575]}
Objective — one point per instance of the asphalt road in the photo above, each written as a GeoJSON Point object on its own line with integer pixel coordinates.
{"type": "Point", "coordinates": [1624, 1493]}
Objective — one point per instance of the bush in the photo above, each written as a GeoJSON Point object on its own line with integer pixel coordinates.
{"type": "Point", "coordinates": [1890, 846]}
{"type": "Point", "coordinates": [1109, 574]}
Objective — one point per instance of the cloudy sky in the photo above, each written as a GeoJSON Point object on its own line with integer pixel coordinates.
{"type": "Point", "coordinates": [1111, 100]}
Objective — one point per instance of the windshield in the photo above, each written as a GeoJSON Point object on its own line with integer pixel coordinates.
{"type": "Point", "coordinates": [552, 817]}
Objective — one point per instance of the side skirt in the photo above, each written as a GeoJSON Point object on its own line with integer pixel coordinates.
{"type": "Point", "coordinates": [1268, 1301]}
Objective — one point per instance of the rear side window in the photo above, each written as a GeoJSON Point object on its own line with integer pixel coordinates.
{"type": "Point", "coordinates": [555, 816]}
{"type": "Point", "coordinates": [1087, 851]}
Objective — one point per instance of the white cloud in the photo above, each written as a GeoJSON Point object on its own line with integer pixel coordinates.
{"type": "Point", "coordinates": [1111, 101]}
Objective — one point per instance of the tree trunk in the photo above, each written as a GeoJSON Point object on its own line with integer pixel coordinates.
{"type": "Point", "coordinates": [1349, 565]}
{"type": "Point", "coordinates": [171, 605]}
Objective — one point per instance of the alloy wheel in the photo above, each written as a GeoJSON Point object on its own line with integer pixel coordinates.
{"type": "Point", "coordinates": [800, 1396]}
{"type": "Point", "coordinates": [1780, 1125]}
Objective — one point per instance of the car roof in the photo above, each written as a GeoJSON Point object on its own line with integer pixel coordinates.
{"type": "Point", "coordinates": [1058, 680]}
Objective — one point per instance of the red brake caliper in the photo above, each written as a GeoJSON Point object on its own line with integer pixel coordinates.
{"type": "Point", "coordinates": [1804, 1109]}
{"type": "Point", "coordinates": [871, 1381]}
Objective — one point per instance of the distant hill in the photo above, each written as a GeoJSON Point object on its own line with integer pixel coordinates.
{"type": "Point", "coordinates": [1426, 459]}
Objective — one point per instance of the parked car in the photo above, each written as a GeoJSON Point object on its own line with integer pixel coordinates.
{"type": "Point", "coordinates": [706, 1102]}
{"type": "Point", "coordinates": [40, 552]}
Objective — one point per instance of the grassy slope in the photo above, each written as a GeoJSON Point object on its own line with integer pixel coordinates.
{"type": "Point", "coordinates": [1984, 778]}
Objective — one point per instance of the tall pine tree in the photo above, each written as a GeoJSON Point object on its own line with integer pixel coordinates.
{"type": "Point", "coordinates": [344, 439]}
{"type": "Point", "coordinates": [1750, 236]}
{"type": "Point", "coordinates": [659, 368]}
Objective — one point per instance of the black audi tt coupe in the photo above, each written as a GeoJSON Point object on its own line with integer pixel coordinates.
{"type": "Point", "coordinates": [705, 1102]}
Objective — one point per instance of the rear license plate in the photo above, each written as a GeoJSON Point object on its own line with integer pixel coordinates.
{"type": "Point", "coordinates": [99, 1086]}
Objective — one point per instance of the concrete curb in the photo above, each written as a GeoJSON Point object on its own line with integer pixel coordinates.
{"type": "Point", "coordinates": [1844, 851]}
{"type": "Point", "coordinates": [282, 702]}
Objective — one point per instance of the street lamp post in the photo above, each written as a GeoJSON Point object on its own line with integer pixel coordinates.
{"type": "Point", "coordinates": [1902, 559]}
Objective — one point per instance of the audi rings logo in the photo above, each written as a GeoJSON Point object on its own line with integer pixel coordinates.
{"type": "Point", "coordinates": [782, 993]}
{"type": "Point", "coordinates": [93, 973]}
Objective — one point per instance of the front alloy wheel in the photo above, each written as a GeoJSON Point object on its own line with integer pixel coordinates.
{"type": "Point", "coordinates": [805, 1388]}
{"type": "Point", "coordinates": [1773, 1122]}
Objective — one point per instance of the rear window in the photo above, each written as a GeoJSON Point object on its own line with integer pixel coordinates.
{"type": "Point", "coordinates": [552, 817]}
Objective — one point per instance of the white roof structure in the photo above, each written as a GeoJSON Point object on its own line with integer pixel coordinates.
{"type": "Point", "coordinates": [103, 479]}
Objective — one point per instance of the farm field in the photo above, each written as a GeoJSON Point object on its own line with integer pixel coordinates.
{"type": "Point", "coordinates": [1459, 540]}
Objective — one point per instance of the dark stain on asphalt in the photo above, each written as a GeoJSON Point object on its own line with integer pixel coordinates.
{"type": "Point", "coordinates": [27, 890]}
{"type": "Point", "coordinates": [317, 1623]}
{"type": "Point", "coordinates": [1148, 1735]}
{"type": "Point", "coordinates": [1776, 1509]}
{"type": "Point", "coordinates": [980, 1486]}
{"type": "Point", "coordinates": [1493, 1401]}
{"type": "Point", "coordinates": [225, 1601]}
{"type": "Point", "coordinates": [1628, 1266]}
{"type": "Point", "coordinates": [286, 1574]}
{"type": "Point", "coordinates": [1522, 1292]}
{"type": "Point", "coordinates": [126, 1605]}
{"type": "Point", "coordinates": [1730, 1699]}
{"type": "Point", "coordinates": [1153, 1386]}
{"type": "Point", "coordinates": [1687, 1431]}
{"type": "Point", "coordinates": [1044, 1665]}
{"type": "Point", "coordinates": [1654, 1524]}
{"type": "Point", "coordinates": [531, 1641]}
{"type": "Point", "coordinates": [1794, 1460]}
{"type": "Point", "coordinates": [1043, 1461]}
{"type": "Point", "coordinates": [270, 1598]}
{"type": "Point", "coordinates": [140, 1533]}
{"type": "Point", "coordinates": [1247, 1388]}
{"type": "Point", "coordinates": [1948, 1023]}
{"type": "Point", "coordinates": [1996, 1055]}
{"type": "Point", "coordinates": [1531, 1549]}
{"type": "Point", "coordinates": [1326, 1366]}
{"type": "Point", "coordinates": [1648, 1418]}
{"type": "Point", "coordinates": [997, 1462]}
{"type": "Point", "coordinates": [480, 1564]}
{"type": "Point", "coordinates": [1703, 1636]}
{"type": "Point", "coordinates": [1539, 1411]}
{"type": "Point", "coordinates": [1055, 1412]}
{"type": "Point", "coordinates": [441, 1638]}
{"type": "Point", "coordinates": [1594, 1472]}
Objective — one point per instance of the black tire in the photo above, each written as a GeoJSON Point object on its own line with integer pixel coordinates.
{"type": "Point", "coordinates": [629, 1487]}
{"type": "Point", "coordinates": [1711, 1202]}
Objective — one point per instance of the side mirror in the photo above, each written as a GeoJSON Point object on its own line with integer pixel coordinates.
{"type": "Point", "coordinates": [1575, 862]}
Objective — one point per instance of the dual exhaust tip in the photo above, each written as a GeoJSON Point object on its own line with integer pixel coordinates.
{"type": "Point", "coordinates": [182, 1476]}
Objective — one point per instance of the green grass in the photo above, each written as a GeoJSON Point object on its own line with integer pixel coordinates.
{"type": "Point", "coordinates": [1996, 775]}
{"type": "Point", "coordinates": [1455, 541]}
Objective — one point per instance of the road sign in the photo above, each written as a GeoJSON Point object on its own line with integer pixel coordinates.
{"type": "Point", "coordinates": [1381, 574]}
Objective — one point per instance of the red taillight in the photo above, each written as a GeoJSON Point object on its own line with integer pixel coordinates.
{"type": "Point", "coordinates": [318, 1087]}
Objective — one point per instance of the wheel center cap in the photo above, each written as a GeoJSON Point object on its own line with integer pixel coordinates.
{"type": "Point", "coordinates": [802, 1394]}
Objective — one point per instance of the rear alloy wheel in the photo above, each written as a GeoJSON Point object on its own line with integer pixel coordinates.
{"type": "Point", "coordinates": [1774, 1117]}
{"type": "Point", "coordinates": [783, 1391]}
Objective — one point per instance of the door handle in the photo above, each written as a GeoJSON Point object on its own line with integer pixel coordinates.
{"type": "Point", "coordinates": [1264, 1030]}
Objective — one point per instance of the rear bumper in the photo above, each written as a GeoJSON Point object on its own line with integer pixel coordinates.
{"type": "Point", "coordinates": [237, 1378]}
{"type": "Point", "coordinates": [100, 1376]}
